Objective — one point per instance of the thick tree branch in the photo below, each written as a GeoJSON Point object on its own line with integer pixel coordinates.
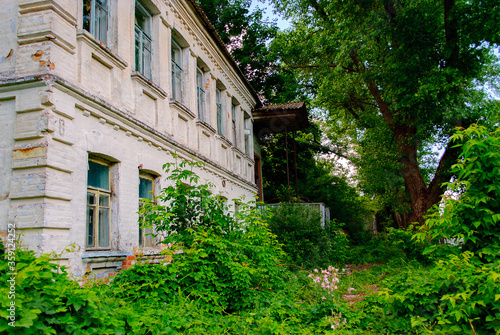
{"type": "Point", "coordinates": [381, 104]}
{"type": "Point", "coordinates": [451, 33]}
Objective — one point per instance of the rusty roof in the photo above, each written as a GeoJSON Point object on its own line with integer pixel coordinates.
{"type": "Point", "coordinates": [289, 116]}
{"type": "Point", "coordinates": [283, 106]}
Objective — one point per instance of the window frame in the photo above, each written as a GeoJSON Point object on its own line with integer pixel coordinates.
{"type": "Point", "coordinates": [176, 72]}
{"type": "Point", "coordinates": [96, 218]}
{"type": "Point", "coordinates": [201, 96]}
{"type": "Point", "coordinates": [144, 232]}
{"type": "Point", "coordinates": [233, 120]}
{"type": "Point", "coordinates": [248, 137]}
{"type": "Point", "coordinates": [143, 64]}
{"type": "Point", "coordinates": [94, 24]}
{"type": "Point", "coordinates": [220, 111]}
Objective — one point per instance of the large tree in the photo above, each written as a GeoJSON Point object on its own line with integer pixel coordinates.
{"type": "Point", "coordinates": [247, 34]}
{"type": "Point", "coordinates": [398, 75]}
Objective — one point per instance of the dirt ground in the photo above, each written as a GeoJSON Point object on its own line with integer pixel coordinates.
{"type": "Point", "coordinates": [355, 295]}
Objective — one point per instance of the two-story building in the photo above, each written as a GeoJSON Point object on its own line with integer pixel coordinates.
{"type": "Point", "coordinates": [95, 96]}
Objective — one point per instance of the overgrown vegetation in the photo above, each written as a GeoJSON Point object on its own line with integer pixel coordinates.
{"type": "Point", "coordinates": [231, 276]}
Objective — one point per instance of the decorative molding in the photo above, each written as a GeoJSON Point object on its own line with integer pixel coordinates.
{"type": "Point", "coordinates": [100, 50]}
{"type": "Point", "coordinates": [165, 22]}
{"type": "Point", "coordinates": [99, 108]}
{"type": "Point", "coordinates": [238, 151]}
{"type": "Point", "coordinates": [39, 6]}
{"type": "Point", "coordinates": [224, 140]}
{"type": "Point", "coordinates": [188, 114]}
{"type": "Point", "coordinates": [207, 128]}
{"type": "Point", "coordinates": [44, 36]}
{"type": "Point", "coordinates": [157, 91]}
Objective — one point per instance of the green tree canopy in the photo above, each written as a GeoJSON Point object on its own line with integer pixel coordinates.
{"type": "Point", "coordinates": [247, 34]}
{"type": "Point", "coordinates": [396, 77]}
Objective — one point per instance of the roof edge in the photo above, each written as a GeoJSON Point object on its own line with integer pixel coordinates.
{"type": "Point", "coordinates": [210, 27]}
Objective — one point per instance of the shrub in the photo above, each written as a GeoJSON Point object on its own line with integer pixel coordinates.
{"type": "Point", "coordinates": [299, 229]}
{"type": "Point", "coordinates": [226, 260]}
{"type": "Point", "coordinates": [459, 294]}
{"type": "Point", "coordinates": [47, 301]}
{"type": "Point", "coordinates": [394, 245]}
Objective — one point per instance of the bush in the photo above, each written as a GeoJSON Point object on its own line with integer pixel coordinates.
{"type": "Point", "coordinates": [394, 245]}
{"type": "Point", "coordinates": [226, 261]}
{"type": "Point", "coordinates": [459, 294]}
{"type": "Point", "coordinates": [305, 241]}
{"type": "Point", "coordinates": [47, 301]}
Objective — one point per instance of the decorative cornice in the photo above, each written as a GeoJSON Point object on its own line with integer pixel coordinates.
{"type": "Point", "coordinates": [38, 6]}
{"type": "Point", "coordinates": [44, 36]}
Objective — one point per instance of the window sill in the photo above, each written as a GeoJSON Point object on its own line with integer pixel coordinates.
{"type": "Point", "coordinates": [207, 129]}
{"type": "Point", "coordinates": [249, 159]}
{"type": "Point", "coordinates": [183, 109]}
{"type": "Point", "coordinates": [101, 50]}
{"type": "Point", "coordinates": [104, 259]}
{"type": "Point", "coordinates": [238, 151]}
{"type": "Point", "coordinates": [157, 91]}
{"type": "Point", "coordinates": [224, 140]}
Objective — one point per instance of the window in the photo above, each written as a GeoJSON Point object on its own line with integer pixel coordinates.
{"type": "Point", "coordinates": [95, 18]}
{"type": "Point", "coordinates": [248, 137]}
{"type": "Point", "coordinates": [142, 40]}
{"type": "Point", "coordinates": [98, 205]}
{"type": "Point", "coordinates": [200, 95]}
{"type": "Point", "coordinates": [176, 71]}
{"type": "Point", "coordinates": [146, 192]}
{"type": "Point", "coordinates": [233, 119]}
{"type": "Point", "coordinates": [220, 118]}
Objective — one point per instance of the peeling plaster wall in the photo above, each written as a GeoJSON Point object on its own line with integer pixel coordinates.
{"type": "Point", "coordinates": [65, 96]}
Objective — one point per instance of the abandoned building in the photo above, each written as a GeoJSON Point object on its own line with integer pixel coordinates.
{"type": "Point", "coordinates": [95, 96]}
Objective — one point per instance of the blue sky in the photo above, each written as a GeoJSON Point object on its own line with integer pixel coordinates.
{"type": "Point", "coordinates": [282, 24]}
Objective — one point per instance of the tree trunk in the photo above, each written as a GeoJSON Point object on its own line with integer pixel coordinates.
{"type": "Point", "coordinates": [423, 197]}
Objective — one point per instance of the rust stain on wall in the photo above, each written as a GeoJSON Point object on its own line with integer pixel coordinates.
{"type": "Point", "coordinates": [31, 152]}
{"type": "Point", "coordinates": [37, 55]}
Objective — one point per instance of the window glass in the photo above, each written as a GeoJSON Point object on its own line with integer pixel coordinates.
{"type": "Point", "coordinates": [220, 119]}
{"type": "Point", "coordinates": [145, 188]}
{"type": "Point", "coordinates": [248, 137]}
{"type": "Point", "coordinates": [142, 40]}
{"type": "Point", "coordinates": [98, 206]}
{"type": "Point", "coordinates": [98, 175]}
{"type": "Point", "coordinates": [145, 192]}
{"type": "Point", "coordinates": [142, 19]}
{"type": "Point", "coordinates": [104, 220]}
{"type": "Point", "coordinates": [176, 55]}
{"type": "Point", "coordinates": [200, 95]}
{"type": "Point", "coordinates": [91, 207]}
{"type": "Point", "coordinates": [233, 119]}
{"type": "Point", "coordinates": [95, 18]}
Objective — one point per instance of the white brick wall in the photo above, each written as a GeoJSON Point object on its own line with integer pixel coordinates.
{"type": "Point", "coordinates": [64, 95]}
